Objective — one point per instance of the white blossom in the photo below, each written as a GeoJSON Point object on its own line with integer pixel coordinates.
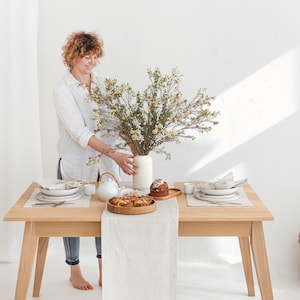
{"type": "Point", "coordinates": [149, 119]}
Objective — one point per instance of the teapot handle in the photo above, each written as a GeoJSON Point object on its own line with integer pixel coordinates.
{"type": "Point", "coordinates": [113, 176]}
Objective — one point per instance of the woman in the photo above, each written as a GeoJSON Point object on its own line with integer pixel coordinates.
{"type": "Point", "coordinates": [77, 140]}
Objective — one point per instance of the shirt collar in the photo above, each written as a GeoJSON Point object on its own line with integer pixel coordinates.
{"type": "Point", "coordinates": [71, 80]}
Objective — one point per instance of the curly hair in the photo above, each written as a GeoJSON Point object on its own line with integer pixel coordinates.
{"type": "Point", "coordinates": [80, 44]}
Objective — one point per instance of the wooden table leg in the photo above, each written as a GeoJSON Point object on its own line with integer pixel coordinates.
{"type": "Point", "coordinates": [26, 260]}
{"type": "Point", "coordinates": [261, 261]}
{"type": "Point", "coordinates": [246, 256]}
{"type": "Point", "coordinates": [40, 264]}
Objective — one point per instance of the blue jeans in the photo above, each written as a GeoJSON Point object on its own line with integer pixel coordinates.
{"type": "Point", "coordinates": [72, 244]}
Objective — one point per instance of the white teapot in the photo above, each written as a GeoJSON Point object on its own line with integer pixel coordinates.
{"type": "Point", "coordinates": [109, 188]}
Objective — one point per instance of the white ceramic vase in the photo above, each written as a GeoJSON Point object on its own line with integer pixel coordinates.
{"type": "Point", "coordinates": [143, 179]}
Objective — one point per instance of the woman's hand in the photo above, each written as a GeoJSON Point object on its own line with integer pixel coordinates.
{"type": "Point", "coordinates": [125, 162]}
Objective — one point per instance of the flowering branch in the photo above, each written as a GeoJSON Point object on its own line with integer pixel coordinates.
{"type": "Point", "coordinates": [147, 120]}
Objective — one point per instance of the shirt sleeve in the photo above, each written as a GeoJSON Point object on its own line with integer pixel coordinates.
{"type": "Point", "coordinates": [70, 116]}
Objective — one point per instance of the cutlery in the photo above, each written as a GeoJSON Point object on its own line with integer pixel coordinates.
{"type": "Point", "coordinates": [52, 204]}
{"type": "Point", "coordinates": [221, 202]}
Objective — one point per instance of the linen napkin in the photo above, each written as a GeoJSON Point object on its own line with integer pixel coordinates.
{"type": "Point", "coordinates": [226, 182]}
{"type": "Point", "coordinates": [54, 184]}
{"type": "Point", "coordinates": [139, 254]}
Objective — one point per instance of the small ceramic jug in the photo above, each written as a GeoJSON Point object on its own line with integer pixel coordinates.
{"type": "Point", "coordinates": [109, 188]}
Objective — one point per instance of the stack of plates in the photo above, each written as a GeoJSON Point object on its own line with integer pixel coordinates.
{"type": "Point", "coordinates": [57, 195]}
{"type": "Point", "coordinates": [224, 195]}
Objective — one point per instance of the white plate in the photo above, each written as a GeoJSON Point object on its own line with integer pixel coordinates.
{"type": "Point", "coordinates": [218, 192]}
{"type": "Point", "coordinates": [201, 196]}
{"type": "Point", "coordinates": [213, 197]}
{"type": "Point", "coordinates": [45, 198]}
{"type": "Point", "coordinates": [59, 192]}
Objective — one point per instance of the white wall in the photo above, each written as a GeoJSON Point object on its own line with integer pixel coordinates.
{"type": "Point", "coordinates": [244, 52]}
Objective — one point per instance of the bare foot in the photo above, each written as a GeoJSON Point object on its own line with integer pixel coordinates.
{"type": "Point", "coordinates": [100, 271]}
{"type": "Point", "coordinates": [77, 279]}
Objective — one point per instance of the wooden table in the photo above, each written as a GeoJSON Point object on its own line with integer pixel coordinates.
{"type": "Point", "coordinates": [244, 222]}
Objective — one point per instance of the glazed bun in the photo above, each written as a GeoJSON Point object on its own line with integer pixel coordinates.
{"type": "Point", "coordinates": [159, 188]}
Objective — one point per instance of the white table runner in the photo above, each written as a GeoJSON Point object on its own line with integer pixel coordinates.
{"type": "Point", "coordinates": [139, 254]}
{"type": "Point", "coordinates": [241, 201]}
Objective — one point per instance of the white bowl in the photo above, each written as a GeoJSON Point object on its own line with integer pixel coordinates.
{"type": "Point", "coordinates": [59, 192]}
{"type": "Point", "coordinates": [218, 192]}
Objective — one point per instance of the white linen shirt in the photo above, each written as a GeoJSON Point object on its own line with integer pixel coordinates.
{"type": "Point", "coordinates": [76, 126]}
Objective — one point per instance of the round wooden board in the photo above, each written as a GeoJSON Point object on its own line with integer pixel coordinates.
{"type": "Point", "coordinates": [131, 210]}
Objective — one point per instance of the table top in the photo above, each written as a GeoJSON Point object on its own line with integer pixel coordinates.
{"type": "Point", "coordinates": [256, 212]}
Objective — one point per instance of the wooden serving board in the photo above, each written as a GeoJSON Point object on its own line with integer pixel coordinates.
{"type": "Point", "coordinates": [131, 210]}
{"type": "Point", "coordinates": [172, 193]}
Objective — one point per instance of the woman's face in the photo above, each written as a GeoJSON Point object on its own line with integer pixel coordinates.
{"type": "Point", "coordinates": [86, 63]}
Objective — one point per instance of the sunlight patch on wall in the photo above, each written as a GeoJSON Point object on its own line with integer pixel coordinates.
{"type": "Point", "coordinates": [261, 100]}
{"type": "Point", "coordinates": [239, 171]}
{"type": "Point", "coordinates": [255, 104]}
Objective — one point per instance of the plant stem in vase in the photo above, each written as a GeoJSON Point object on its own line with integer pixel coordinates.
{"type": "Point", "coordinates": [143, 179]}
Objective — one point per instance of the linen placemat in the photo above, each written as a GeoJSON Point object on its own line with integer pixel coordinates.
{"type": "Point", "coordinates": [241, 201]}
{"type": "Point", "coordinates": [83, 201]}
{"type": "Point", "coordinates": [139, 254]}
